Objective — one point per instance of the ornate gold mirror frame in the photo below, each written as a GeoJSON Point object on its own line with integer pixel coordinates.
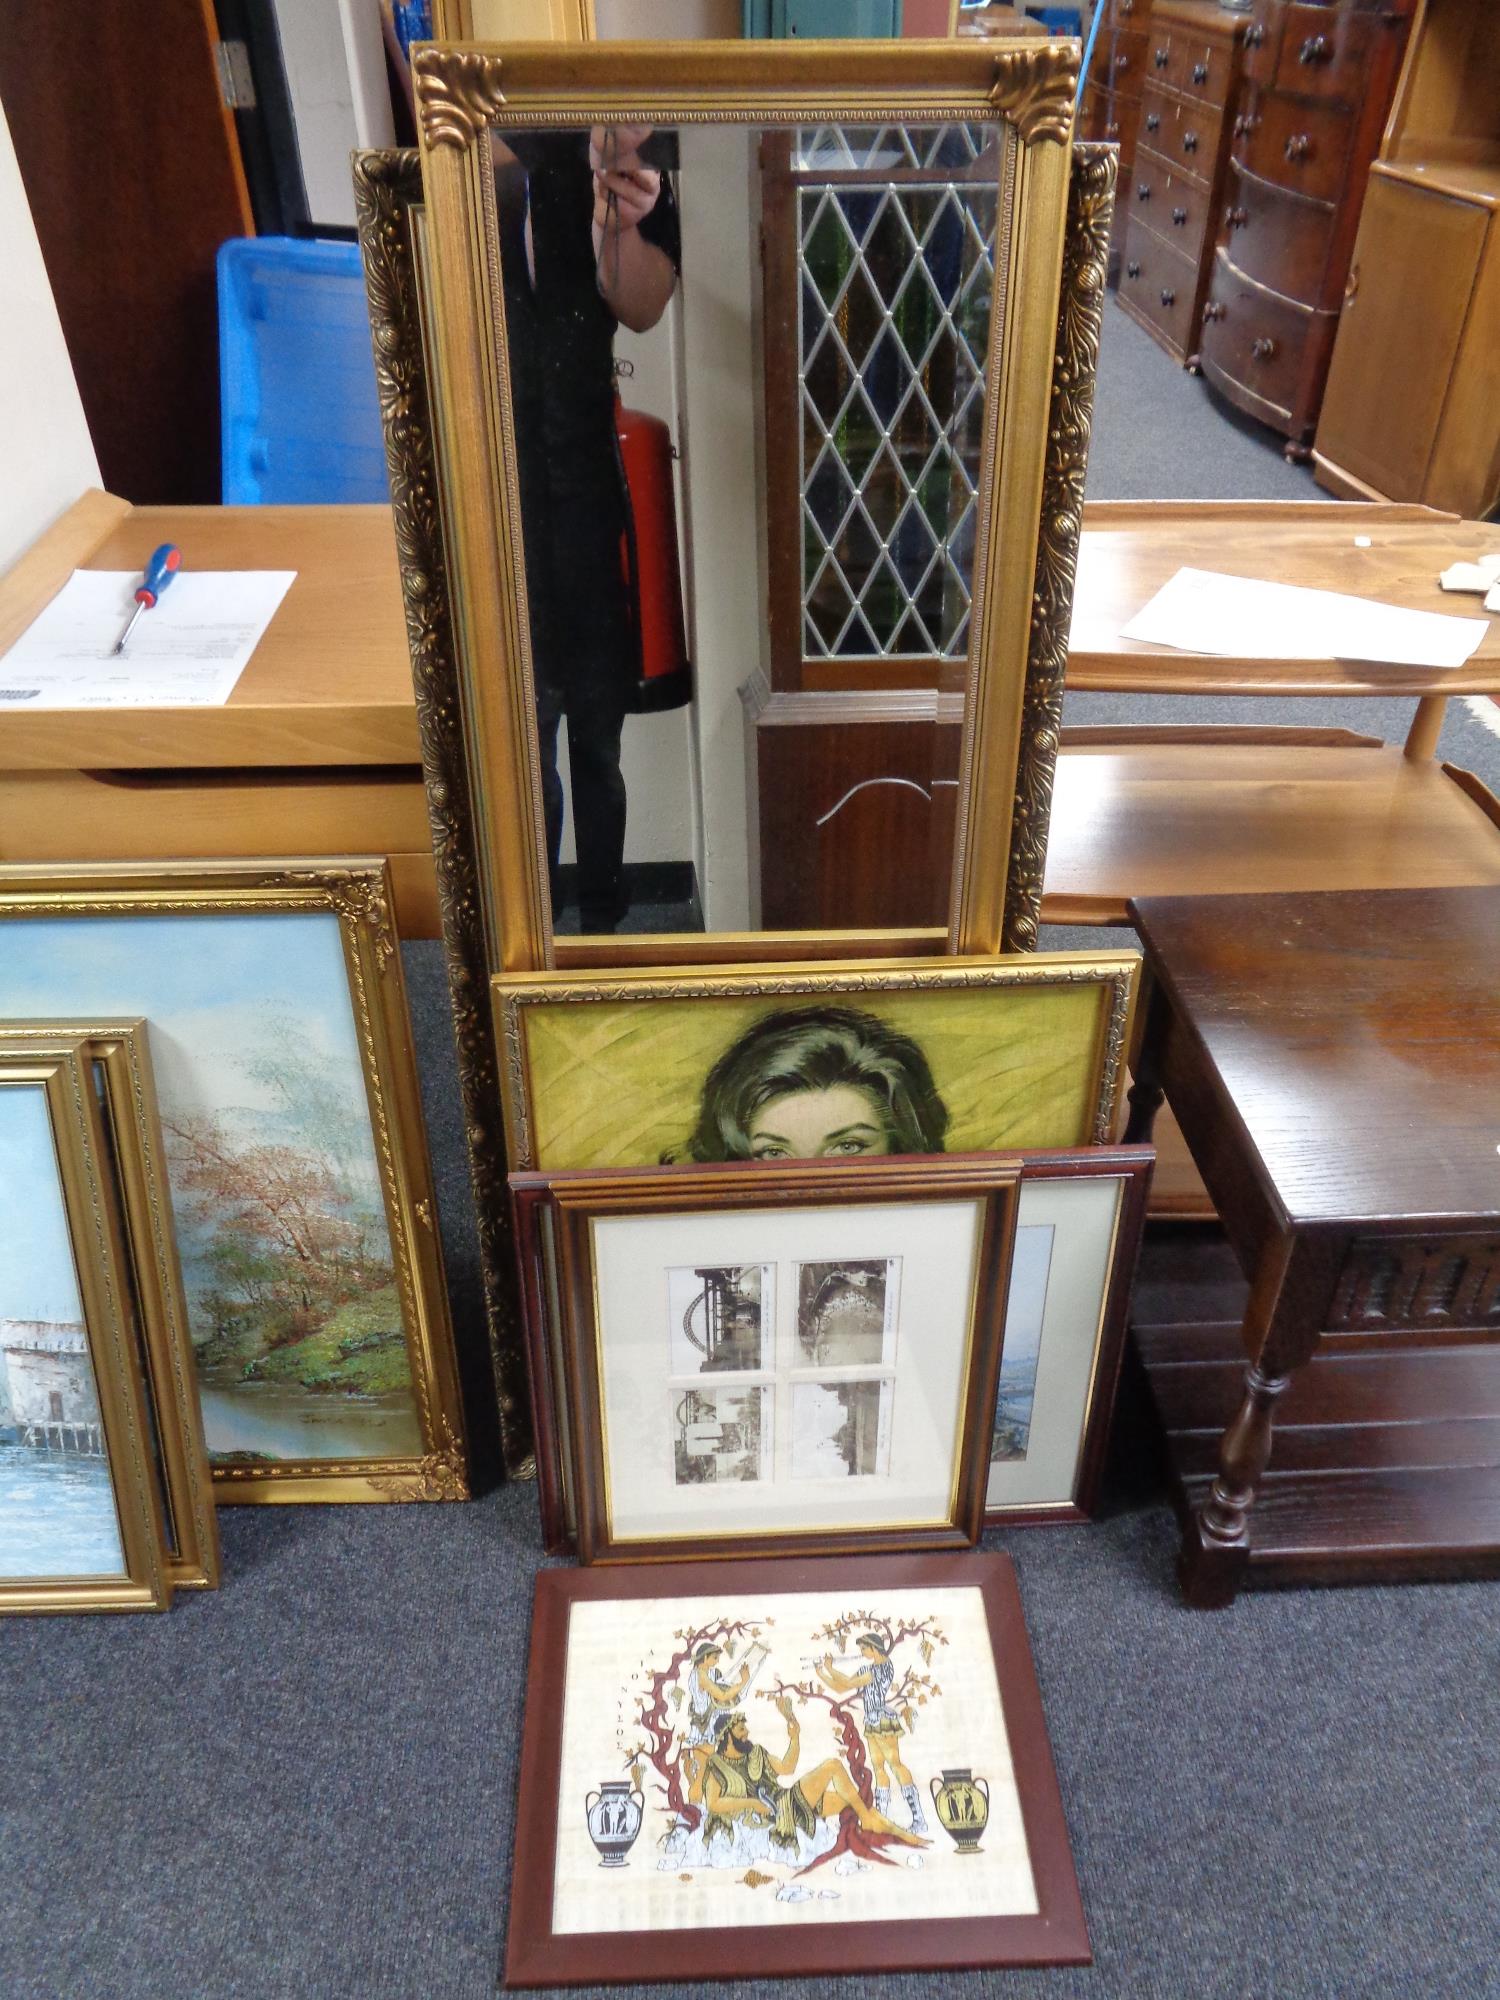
{"type": "Point", "coordinates": [389, 198]}
{"type": "Point", "coordinates": [463, 94]}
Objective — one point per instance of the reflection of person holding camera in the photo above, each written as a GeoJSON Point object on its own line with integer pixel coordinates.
{"type": "Point", "coordinates": [589, 241]}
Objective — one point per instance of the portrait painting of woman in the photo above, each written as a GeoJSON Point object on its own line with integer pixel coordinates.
{"type": "Point", "coordinates": [815, 1083]}
{"type": "Point", "coordinates": [637, 1069]}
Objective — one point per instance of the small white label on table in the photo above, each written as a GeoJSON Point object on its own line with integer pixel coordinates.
{"type": "Point", "coordinates": [1200, 611]}
{"type": "Point", "coordinates": [187, 651]}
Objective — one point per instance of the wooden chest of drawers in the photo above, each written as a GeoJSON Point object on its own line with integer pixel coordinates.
{"type": "Point", "coordinates": [1170, 193]}
{"type": "Point", "coordinates": [1112, 94]}
{"type": "Point", "coordinates": [1317, 83]}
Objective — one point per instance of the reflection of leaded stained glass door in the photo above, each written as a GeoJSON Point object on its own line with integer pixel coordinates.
{"type": "Point", "coordinates": [879, 263]}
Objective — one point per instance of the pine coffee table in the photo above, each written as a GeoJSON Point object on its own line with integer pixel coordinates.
{"type": "Point", "coordinates": [1333, 1060]}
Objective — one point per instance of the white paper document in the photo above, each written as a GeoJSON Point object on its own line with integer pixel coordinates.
{"type": "Point", "coordinates": [1200, 611]}
{"type": "Point", "coordinates": [187, 651]}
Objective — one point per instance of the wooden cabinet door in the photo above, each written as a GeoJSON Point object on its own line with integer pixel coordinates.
{"type": "Point", "coordinates": [1409, 286]}
{"type": "Point", "coordinates": [131, 166]}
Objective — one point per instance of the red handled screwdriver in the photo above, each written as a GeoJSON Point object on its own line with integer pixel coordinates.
{"type": "Point", "coordinates": [163, 566]}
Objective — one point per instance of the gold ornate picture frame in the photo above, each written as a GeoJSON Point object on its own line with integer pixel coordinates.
{"type": "Point", "coordinates": [294, 1151]}
{"type": "Point", "coordinates": [120, 1057]}
{"type": "Point", "coordinates": [465, 94]}
{"type": "Point", "coordinates": [389, 204]}
{"type": "Point", "coordinates": [635, 1068]}
{"type": "Point", "coordinates": [81, 1526]}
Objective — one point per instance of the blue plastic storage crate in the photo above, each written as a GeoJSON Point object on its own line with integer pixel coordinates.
{"type": "Point", "coordinates": [1058, 20]}
{"type": "Point", "coordinates": [300, 418]}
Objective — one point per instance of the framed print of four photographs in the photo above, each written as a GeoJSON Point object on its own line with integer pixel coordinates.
{"type": "Point", "coordinates": [765, 1357]}
{"type": "Point", "coordinates": [105, 1501]}
{"type": "Point", "coordinates": [735, 1359]}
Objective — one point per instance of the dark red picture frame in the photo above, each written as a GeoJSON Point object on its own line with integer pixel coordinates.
{"type": "Point", "coordinates": [537, 1956]}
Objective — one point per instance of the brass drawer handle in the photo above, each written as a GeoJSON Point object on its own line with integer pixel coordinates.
{"type": "Point", "coordinates": [1162, 58]}
{"type": "Point", "coordinates": [1299, 146]}
{"type": "Point", "coordinates": [1255, 34]}
{"type": "Point", "coordinates": [1179, 216]}
{"type": "Point", "coordinates": [1263, 349]}
{"type": "Point", "coordinates": [1132, 269]}
{"type": "Point", "coordinates": [1244, 125]}
{"type": "Point", "coordinates": [1213, 310]}
{"type": "Point", "coordinates": [1236, 218]}
{"type": "Point", "coordinates": [1112, 129]}
{"type": "Point", "coordinates": [1153, 122]}
{"type": "Point", "coordinates": [1351, 285]}
{"type": "Point", "coordinates": [1316, 49]}
{"type": "Point", "coordinates": [1200, 72]}
{"type": "Point", "coordinates": [1190, 142]}
{"type": "Point", "coordinates": [1169, 298]}
{"type": "Point", "coordinates": [1143, 191]}
{"type": "Point", "coordinates": [1122, 62]}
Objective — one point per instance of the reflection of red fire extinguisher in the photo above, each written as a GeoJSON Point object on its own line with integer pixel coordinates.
{"type": "Point", "coordinates": [648, 553]}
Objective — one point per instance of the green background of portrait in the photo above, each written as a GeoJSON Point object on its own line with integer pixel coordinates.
{"type": "Point", "coordinates": [616, 1083]}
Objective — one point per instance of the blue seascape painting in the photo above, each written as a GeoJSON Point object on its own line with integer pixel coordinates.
{"type": "Point", "coordinates": [293, 1303]}
{"type": "Point", "coordinates": [57, 1507]}
{"type": "Point", "coordinates": [1031, 1265]}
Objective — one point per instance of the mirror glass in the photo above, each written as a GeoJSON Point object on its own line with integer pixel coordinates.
{"type": "Point", "coordinates": [745, 374]}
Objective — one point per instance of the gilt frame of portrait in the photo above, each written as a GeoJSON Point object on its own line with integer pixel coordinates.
{"type": "Point", "coordinates": [85, 1529]}
{"type": "Point", "coordinates": [293, 1151]}
{"type": "Point", "coordinates": [633, 1867]}
{"type": "Point", "coordinates": [393, 231]}
{"type": "Point", "coordinates": [856, 1416]}
{"type": "Point", "coordinates": [917, 1056]}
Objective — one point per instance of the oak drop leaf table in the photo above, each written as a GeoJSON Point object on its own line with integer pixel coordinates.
{"type": "Point", "coordinates": [1333, 1061]}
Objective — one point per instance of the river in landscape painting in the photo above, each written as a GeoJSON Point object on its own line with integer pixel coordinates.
{"type": "Point", "coordinates": [270, 1423]}
{"type": "Point", "coordinates": [57, 1515]}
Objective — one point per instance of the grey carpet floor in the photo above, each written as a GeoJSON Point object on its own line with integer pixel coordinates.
{"type": "Point", "coordinates": [304, 1785]}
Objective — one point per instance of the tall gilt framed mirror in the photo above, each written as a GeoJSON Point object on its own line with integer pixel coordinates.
{"type": "Point", "coordinates": [825, 280]}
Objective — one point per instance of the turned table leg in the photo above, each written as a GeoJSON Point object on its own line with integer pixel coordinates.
{"type": "Point", "coordinates": [1288, 1303]}
{"type": "Point", "coordinates": [1216, 1549]}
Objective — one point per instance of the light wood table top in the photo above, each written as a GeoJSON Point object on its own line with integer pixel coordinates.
{"type": "Point", "coordinates": [1130, 548]}
{"type": "Point", "coordinates": [330, 683]}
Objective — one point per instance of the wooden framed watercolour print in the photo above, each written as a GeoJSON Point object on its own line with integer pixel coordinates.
{"type": "Point", "coordinates": [1079, 1218]}
{"type": "Point", "coordinates": [766, 1358]}
{"type": "Point", "coordinates": [81, 1527]}
{"type": "Point", "coordinates": [786, 1767]}
{"type": "Point", "coordinates": [293, 1151]}
{"type": "Point", "coordinates": [798, 1061]}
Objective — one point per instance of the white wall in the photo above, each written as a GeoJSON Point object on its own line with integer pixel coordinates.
{"type": "Point", "coordinates": [335, 72]}
{"type": "Point", "coordinates": [47, 458]}
{"type": "Point", "coordinates": [727, 610]}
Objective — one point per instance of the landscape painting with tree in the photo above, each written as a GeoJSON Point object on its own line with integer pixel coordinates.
{"type": "Point", "coordinates": [294, 1304]}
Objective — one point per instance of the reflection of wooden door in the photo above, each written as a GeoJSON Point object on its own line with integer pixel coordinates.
{"type": "Point", "coordinates": [132, 169]}
{"type": "Point", "coordinates": [1409, 289]}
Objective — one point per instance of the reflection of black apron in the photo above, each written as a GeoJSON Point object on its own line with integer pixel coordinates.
{"type": "Point", "coordinates": [561, 352]}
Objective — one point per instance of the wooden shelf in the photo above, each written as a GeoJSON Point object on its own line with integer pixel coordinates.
{"type": "Point", "coordinates": [1383, 1465]}
{"type": "Point", "coordinates": [1174, 819]}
